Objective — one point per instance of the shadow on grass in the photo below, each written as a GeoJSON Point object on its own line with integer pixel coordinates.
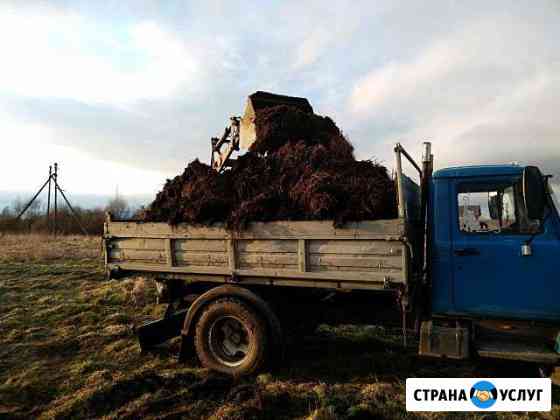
{"type": "Point", "coordinates": [348, 354]}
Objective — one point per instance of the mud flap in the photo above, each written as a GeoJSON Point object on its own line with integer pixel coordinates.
{"type": "Point", "coordinates": [156, 332]}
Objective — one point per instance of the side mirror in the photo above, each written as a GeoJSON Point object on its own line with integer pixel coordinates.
{"type": "Point", "coordinates": [494, 207]}
{"type": "Point", "coordinates": [534, 192]}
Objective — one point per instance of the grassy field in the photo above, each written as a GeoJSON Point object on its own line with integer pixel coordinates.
{"type": "Point", "coordinates": [67, 350]}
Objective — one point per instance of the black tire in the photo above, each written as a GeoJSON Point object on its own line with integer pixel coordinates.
{"type": "Point", "coordinates": [231, 337]}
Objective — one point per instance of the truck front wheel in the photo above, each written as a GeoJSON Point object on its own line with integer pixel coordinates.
{"type": "Point", "coordinates": [231, 337]}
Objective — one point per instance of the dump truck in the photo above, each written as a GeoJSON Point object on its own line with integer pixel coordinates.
{"type": "Point", "coordinates": [470, 267]}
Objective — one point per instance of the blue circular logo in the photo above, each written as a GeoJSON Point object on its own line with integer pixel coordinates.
{"type": "Point", "coordinates": [484, 394]}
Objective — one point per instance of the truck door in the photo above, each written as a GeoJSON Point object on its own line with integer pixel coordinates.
{"type": "Point", "coordinates": [490, 276]}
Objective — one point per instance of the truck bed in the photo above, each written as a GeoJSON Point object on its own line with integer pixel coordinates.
{"type": "Point", "coordinates": [364, 255]}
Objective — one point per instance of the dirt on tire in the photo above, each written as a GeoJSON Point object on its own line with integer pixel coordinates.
{"type": "Point", "coordinates": [253, 323]}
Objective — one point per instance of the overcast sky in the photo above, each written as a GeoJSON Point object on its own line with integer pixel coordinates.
{"type": "Point", "coordinates": [128, 92]}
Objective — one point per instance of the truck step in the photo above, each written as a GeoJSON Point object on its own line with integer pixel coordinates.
{"type": "Point", "coordinates": [517, 350]}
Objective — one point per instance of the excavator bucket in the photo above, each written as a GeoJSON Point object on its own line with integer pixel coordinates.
{"type": "Point", "coordinates": [260, 100]}
{"type": "Point", "coordinates": [242, 133]}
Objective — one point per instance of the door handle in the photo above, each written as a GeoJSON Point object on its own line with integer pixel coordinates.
{"type": "Point", "coordinates": [463, 252]}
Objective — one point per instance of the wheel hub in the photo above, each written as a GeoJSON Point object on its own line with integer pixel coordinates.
{"type": "Point", "coordinates": [229, 340]}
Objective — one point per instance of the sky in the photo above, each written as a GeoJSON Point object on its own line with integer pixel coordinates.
{"type": "Point", "coordinates": [126, 93]}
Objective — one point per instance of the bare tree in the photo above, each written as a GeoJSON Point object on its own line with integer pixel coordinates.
{"type": "Point", "coordinates": [17, 205]}
{"type": "Point", "coordinates": [35, 209]}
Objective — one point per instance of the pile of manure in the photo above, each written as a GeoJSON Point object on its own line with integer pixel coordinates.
{"type": "Point", "coordinates": [300, 168]}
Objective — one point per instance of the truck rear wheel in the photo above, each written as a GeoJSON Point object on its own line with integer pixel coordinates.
{"type": "Point", "coordinates": [231, 337]}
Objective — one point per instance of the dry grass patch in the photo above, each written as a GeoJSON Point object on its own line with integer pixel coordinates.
{"type": "Point", "coordinates": [67, 350]}
{"type": "Point", "coordinates": [42, 247]}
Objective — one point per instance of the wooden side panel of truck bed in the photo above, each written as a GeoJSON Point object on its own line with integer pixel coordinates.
{"type": "Point", "coordinates": [365, 255]}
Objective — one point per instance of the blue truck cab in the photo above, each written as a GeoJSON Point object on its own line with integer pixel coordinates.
{"type": "Point", "coordinates": [478, 265]}
{"type": "Point", "coordinates": [494, 266]}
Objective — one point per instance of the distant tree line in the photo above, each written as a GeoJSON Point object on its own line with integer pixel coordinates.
{"type": "Point", "coordinates": [35, 218]}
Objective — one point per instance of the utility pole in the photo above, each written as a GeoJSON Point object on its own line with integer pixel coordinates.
{"type": "Point", "coordinates": [49, 201]}
{"type": "Point", "coordinates": [57, 187]}
{"type": "Point", "coordinates": [53, 178]}
{"type": "Point", "coordinates": [55, 198]}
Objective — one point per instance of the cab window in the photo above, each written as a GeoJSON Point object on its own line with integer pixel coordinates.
{"type": "Point", "coordinates": [494, 208]}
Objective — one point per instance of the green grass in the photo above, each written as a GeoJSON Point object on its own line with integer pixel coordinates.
{"type": "Point", "coordinates": [67, 350]}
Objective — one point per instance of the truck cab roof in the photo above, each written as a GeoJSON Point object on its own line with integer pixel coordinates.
{"type": "Point", "coordinates": [478, 170]}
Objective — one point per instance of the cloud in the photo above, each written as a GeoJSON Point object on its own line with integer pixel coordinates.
{"type": "Point", "coordinates": [138, 93]}
{"type": "Point", "coordinates": [312, 47]}
{"type": "Point", "coordinates": [64, 55]}
{"type": "Point", "coordinates": [486, 93]}
{"type": "Point", "coordinates": [332, 28]}
{"type": "Point", "coordinates": [395, 84]}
